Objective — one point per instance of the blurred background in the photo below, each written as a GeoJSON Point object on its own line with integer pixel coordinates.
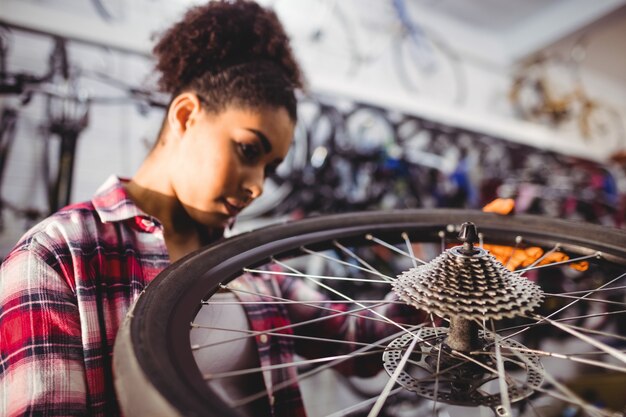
{"type": "Point", "coordinates": [410, 103]}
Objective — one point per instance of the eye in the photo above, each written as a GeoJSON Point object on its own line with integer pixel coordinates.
{"type": "Point", "coordinates": [270, 170]}
{"type": "Point", "coordinates": [249, 152]}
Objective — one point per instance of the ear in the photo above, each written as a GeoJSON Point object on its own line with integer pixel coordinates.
{"type": "Point", "coordinates": [182, 112]}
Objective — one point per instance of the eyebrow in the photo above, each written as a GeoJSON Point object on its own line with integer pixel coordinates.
{"type": "Point", "coordinates": [267, 146]}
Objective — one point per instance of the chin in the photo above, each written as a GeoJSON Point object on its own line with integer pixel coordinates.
{"type": "Point", "coordinates": [207, 217]}
{"type": "Point", "coordinates": [215, 221]}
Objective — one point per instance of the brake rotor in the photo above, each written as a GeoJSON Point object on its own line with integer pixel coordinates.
{"type": "Point", "coordinates": [435, 374]}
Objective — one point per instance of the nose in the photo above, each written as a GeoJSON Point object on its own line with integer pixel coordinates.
{"type": "Point", "coordinates": [253, 185]}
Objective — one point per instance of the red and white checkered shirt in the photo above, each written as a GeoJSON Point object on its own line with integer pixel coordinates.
{"type": "Point", "coordinates": [69, 282]}
{"type": "Point", "coordinates": [64, 291]}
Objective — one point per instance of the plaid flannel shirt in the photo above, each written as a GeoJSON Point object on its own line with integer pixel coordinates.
{"type": "Point", "coordinates": [69, 282]}
{"type": "Point", "coordinates": [64, 291]}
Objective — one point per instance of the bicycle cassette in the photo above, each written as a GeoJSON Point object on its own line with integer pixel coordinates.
{"type": "Point", "coordinates": [467, 283]}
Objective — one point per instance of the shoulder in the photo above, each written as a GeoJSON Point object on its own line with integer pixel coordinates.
{"type": "Point", "coordinates": [66, 241]}
{"type": "Point", "coordinates": [62, 250]}
{"type": "Point", "coordinates": [71, 227]}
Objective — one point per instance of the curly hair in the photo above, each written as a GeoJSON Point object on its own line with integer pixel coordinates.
{"type": "Point", "coordinates": [230, 52]}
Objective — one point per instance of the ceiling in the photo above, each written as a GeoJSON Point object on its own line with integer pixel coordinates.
{"type": "Point", "coordinates": [502, 32]}
{"type": "Point", "coordinates": [490, 15]}
{"type": "Point", "coordinates": [605, 42]}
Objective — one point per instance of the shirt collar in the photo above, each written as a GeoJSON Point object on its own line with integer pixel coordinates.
{"type": "Point", "coordinates": [112, 202]}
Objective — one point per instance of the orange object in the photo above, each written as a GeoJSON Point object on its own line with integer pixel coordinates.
{"type": "Point", "coordinates": [500, 206]}
{"type": "Point", "coordinates": [513, 258]}
{"type": "Point", "coordinates": [580, 266]}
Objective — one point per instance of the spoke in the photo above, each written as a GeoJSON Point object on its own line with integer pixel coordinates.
{"type": "Point", "coordinates": [432, 321]}
{"type": "Point", "coordinates": [313, 303]}
{"type": "Point", "coordinates": [330, 278]}
{"type": "Point", "coordinates": [598, 332]}
{"type": "Point", "coordinates": [469, 358]}
{"type": "Point", "coordinates": [287, 335]}
{"type": "Point", "coordinates": [489, 353]}
{"type": "Point", "coordinates": [342, 262]}
{"type": "Point", "coordinates": [518, 240]}
{"type": "Point", "coordinates": [287, 365]}
{"type": "Point", "coordinates": [571, 358]}
{"type": "Point", "coordinates": [442, 236]}
{"type": "Point", "coordinates": [409, 246]}
{"type": "Point", "coordinates": [359, 259]}
{"type": "Point", "coordinates": [565, 307]}
{"type": "Point", "coordinates": [497, 373]}
{"type": "Point", "coordinates": [307, 303]}
{"type": "Point", "coordinates": [569, 396]}
{"type": "Point", "coordinates": [585, 291]}
{"type": "Point", "coordinates": [608, 349]}
{"type": "Point", "coordinates": [393, 248]}
{"type": "Point", "coordinates": [361, 405]}
{"type": "Point", "coordinates": [342, 295]}
{"type": "Point", "coordinates": [532, 407]}
{"type": "Point", "coordinates": [436, 375]}
{"type": "Point", "coordinates": [595, 300]}
{"type": "Point", "coordinates": [504, 390]}
{"type": "Point", "coordinates": [436, 391]}
{"type": "Point", "coordinates": [569, 261]}
{"type": "Point", "coordinates": [394, 377]}
{"type": "Point", "coordinates": [595, 352]}
{"type": "Point", "coordinates": [317, 370]}
{"type": "Point", "coordinates": [288, 326]}
{"type": "Point", "coordinates": [545, 255]}
{"type": "Point", "coordinates": [480, 364]}
{"type": "Point", "coordinates": [586, 316]}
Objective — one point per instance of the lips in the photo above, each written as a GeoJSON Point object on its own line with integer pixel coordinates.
{"type": "Point", "coordinates": [234, 207]}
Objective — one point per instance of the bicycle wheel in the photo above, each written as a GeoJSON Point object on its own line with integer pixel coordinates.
{"type": "Point", "coordinates": [535, 361]}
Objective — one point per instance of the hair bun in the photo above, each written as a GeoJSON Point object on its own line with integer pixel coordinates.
{"type": "Point", "coordinates": [218, 35]}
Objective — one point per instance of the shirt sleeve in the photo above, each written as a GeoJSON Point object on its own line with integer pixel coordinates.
{"type": "Point", "coordinates": [365, 325]}
{"type": "Point", "coordinates": [42, 369]}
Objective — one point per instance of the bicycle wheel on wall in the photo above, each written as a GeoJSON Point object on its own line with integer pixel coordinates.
{"type": "Point", "coordinates": [529, 363]}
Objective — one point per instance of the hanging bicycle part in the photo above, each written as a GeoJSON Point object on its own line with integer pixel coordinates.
{"type": "Point", "coordinates": [549, 89]}
{"type": "Point", "coordinates": [8, 122]}
{"type": "Point", "coordinates": [322, 35]}
{"type": "Point", "coordinates": [425, 62]}
{"type": "Point", "coordinates": [103, 8]}
{"type": "Point", "coordinates": [67, 111]}
{"type": "Point", "coordinates": [67, 125]}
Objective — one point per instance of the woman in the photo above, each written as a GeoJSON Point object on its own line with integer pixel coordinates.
{"type": "Point", "coordinates": [69, 281]}
{"type": "Point", "coordinates": [67, 285]}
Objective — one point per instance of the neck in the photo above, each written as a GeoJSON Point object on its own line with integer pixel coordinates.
{"type": "Point", "coordinates": [151, 192]}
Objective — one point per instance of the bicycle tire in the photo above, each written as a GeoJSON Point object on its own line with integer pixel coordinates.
{"type": "Point", "coordinates": [152, 347]}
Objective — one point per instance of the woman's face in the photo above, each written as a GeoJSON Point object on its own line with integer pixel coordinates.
{"type": "Point", "coordinates": [221, 160]}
